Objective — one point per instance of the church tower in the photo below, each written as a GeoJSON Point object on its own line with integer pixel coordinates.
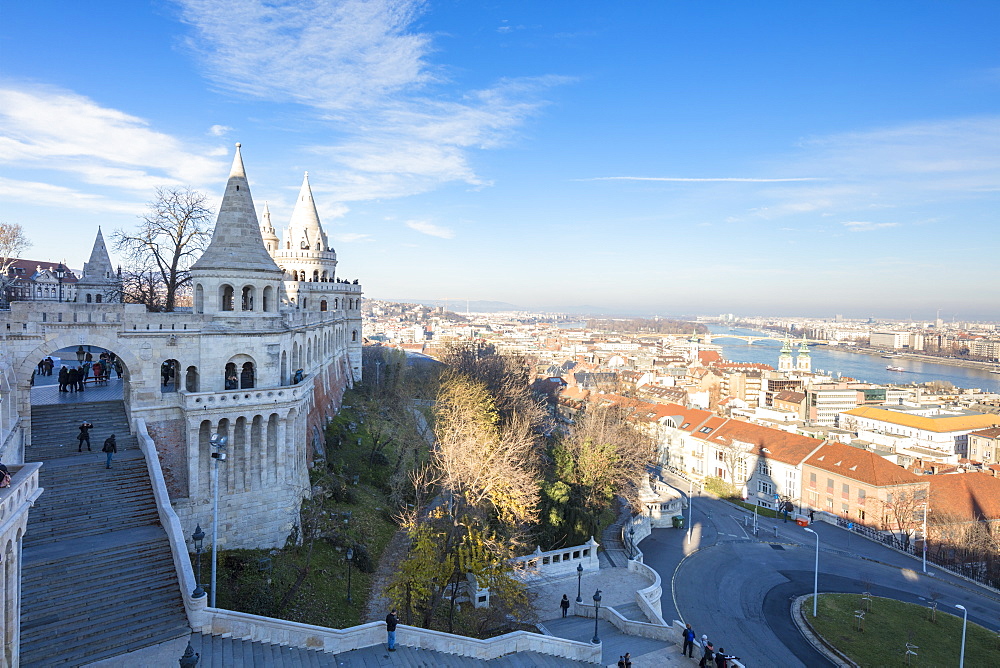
{"type": "Point", "coordinates": [99, 283]}
{"type": "Point", "coordinates": [785, 362]}
{"type": "Point", "coordinates": [803, 362]}
{"type": "Point", "coordinates": [235, 275]}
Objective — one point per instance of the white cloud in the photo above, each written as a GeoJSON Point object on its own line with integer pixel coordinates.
{"type": "Point", "coordinates": [864, 226]}
{"type": "Point", "coordinates": [57, 130]}
{"type": "Point", "coordinates": [47, 194]}
{"type": "Point", "coordinates": [361, 66]}
{"type": "Point", "coordinates": [430, 229]}
{"type": "Point", "coordinates": [219, 130]}
{"type": "Point", "coordinates": [352, 237]}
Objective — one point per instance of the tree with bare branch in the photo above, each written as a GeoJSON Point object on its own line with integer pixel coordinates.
{"type": "Point", "coordinates": [13, 243]}
{"type": "Point", "coordinates": [172, 235]}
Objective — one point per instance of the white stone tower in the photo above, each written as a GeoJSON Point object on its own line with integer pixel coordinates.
{"type": "Point", "coordinates": [99, 283]}
{"type": "Point", "coordinates": [235, 273]}
{"type": "Point", "coordinates": [785, 361]}
{"type": "Point", "coordinates": [803, 362]}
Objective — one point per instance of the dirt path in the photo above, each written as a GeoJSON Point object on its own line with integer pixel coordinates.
{"type": "Point", "coordinates": [377, 606]}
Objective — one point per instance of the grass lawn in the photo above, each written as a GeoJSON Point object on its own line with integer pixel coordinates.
{"type": "Point", "coordinates": [891, 624]}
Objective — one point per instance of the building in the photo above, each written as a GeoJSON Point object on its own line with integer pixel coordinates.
{"type": "Point", "coordinates": [33, 280]}
{"type": "Point", "coordinates": [893, 340]}
{"type": "Point", "coordinates": [984, 446]}
{"type": "Point", "coordinates": [263, 358]}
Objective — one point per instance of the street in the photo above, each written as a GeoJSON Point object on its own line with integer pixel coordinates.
{"type": "Point", "coordinates": [737, 588]}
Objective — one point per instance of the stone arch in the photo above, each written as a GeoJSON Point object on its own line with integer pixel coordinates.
{"type": "Point", "coordinates": [226, 297]}
{"type": "Point", "coordinates": [247, 295]}
{"type": "Point", "coordinates": [170, 371]}
{"type": "Point", "coordinates": [268, 302]}
{"type": "Point", "coordinates": [191, 379]}
{"type": "Point", "coordinates": [354, 335]}
{"type": "Point", "coordinates": [248, 376]}
{"type": "Point", "coordinates": [271, 456]}
{"type": "Point", "coordinates": [257, 463]}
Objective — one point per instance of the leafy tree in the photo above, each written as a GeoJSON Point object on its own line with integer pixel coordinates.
{"type": "Point", "coordinates": [172, 235]}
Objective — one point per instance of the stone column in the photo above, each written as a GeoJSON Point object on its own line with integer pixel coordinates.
{"type": "Point", "coordinates": [282, 448]}
{"type": "Point", "coordinates": [247, 462]}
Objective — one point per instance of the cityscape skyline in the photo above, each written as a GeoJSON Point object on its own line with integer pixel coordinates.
{"type": "Point", "coordinates": [653, 158]}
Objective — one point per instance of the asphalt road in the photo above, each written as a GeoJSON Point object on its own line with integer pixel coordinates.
{"type": "Point", "coordinates": [737, 588]}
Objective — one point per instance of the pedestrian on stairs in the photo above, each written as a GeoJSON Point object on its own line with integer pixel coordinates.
{"type": "Point", "coordinates": [390, 626]}
{"type": "Point", "coordinates": [564, 604]}
{"type": "Point", "coordinates": [84, 435]}
{"type": "Point", "coordinates": [110, 447]}
{"type": "Point", "coordinates": [688, 647]}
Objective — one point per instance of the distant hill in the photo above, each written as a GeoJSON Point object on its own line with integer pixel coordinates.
{"type": "Point", "coordinates": [459, 305]}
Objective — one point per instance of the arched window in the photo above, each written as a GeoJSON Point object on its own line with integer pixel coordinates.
{"type": "Point", "coordinates": [247, 300]}
{"type": "Point", "coordinates": [322, 305]}
{"type": "Point", "coordinates": [226, 297]}
{"type": "Point", "coordinates": [336, 304]}
{"type": "Point", "coordinates": [268, 299]}
{"type": "Point", "coordinates": [199, 299]}
{"type": "Point", "coordinates": [98, 299]}
{"type": "Point", "coordinates": [88, 297]}
{"type": "Point", "coordinates": [354, 335]}
{"type": "Point", "coordinates": [247, 376]}
{"type": "Point", "coordinates": [304, 302]}
{"type": "Point", "coordinates": [315, 278]}
{"type": "Point", "coordinates": [191, 379]}
{"type": "Point", "coordinates": [168, 375]}
{"type": "Point", "coordinates": [232, 380]}
{"type": "Point", "coordinates": [284, 368]}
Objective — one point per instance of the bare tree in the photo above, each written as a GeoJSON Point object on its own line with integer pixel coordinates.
{"type": "Point", "coordinates": [171, 236]}
{"type": "Point", "coordinates": [736, 457]}
{"type": "Point", "coordinates": [904, 513]}
{"type": "Point", "coordinates": [13, 243]}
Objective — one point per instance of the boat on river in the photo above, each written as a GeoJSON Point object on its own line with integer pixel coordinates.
{"type": "Point", "coordinates": [894, 368]}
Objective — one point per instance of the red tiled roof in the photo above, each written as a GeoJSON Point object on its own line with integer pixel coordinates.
{"type": "Point", "coordinates": [861, 465]}
{"type": "Point", "coordinates": [965, 496]}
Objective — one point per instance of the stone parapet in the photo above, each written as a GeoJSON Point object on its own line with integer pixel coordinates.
{"type": "Point", "coordinates": [558, 563]}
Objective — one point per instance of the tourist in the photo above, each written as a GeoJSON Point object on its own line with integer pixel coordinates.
{"type": "Point", "coordinates": [80, 354]}
{"type": "Point", "coordinates": [564, 604]}
{"type": "Point", "coordinates": [390, 626]}
{"type": "Point", "coordinates": [628, 660]}
{"type": "Point", "coordinates": [722, 659]}
{"type": "Point", "coordinates": [4, 476]}
{"type": "Point", "coordinates": [84, 435]}
{"type": "Point", "coordinates": [110, 447]}
{"type": "Point", "coordinates": [72, 379]}
{"type": "Point", "coordinates": [709, 656]}
{"type": "Point", "coordinates": [688, 648]}
{"type": "Point", "coordinates": [63, 378]}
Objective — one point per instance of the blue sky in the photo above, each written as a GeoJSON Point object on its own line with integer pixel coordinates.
{"type": "Point", "coordinates": [656, 157]}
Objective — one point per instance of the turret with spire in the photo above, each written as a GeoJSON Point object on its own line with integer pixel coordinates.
{"type": "Point", "coordinates": [99, 283]}
{"type": "Point", "coordinates": [306, 255]}
{"type": "Point", "coordinates": [236, 273]}
{"type": "Point", "coordinates": [271, 241]}
{"type": "Point", "coordinates": [803, 362]}
{"type": "Point", "coordinates": [785, 362]}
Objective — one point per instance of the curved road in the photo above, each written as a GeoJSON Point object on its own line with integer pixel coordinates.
{"type": "Point", "coordinates": [737, 588]}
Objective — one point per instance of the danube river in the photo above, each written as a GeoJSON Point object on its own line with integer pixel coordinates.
{"type": "Point", "coordinates": [869, 368]}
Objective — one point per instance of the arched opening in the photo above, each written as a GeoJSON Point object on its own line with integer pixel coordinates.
{"type": "Point", "coordinates": [191, 379]}
{"type": "Point", "coordinates": [268, 299]}
{"type": "Point", "coordinates": [246, 302]}
{"type": "Point", "coordinates": [284, 368]}
{"type": "Point", "coordinates": [89, 298]}
{"type": "Point", "coordinates": [322, 305]}
{"type": "Point", "coordinates": [304, 302]}
{"type": "Point", "coordinates": [98, 298]}
{"type": "Point", "coordinates": [336, 303]}
{"type": "Point", "coordinates": [354, 335]}
{"type": "Point", "coordinates": [315, 278]}
{"type": "Point", "coordinates": [232, 381]}
{"type": "Point", "coordinates": [168, 375]}
{"type": "Point", "coordinates": [226, 297]}
{"type": "Point", "coordinates": [199, 299]}
{"type": "Point", "coordinates": [247, 376]}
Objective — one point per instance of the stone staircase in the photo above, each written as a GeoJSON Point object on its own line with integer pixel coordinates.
{"type": "Point", "coordinates": [54, 428]}
{"type": "Point", "coordinates": [98, 579]}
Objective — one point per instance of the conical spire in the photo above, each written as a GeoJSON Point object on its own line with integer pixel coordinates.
{"type": "Point", "coordinates": [236, 242]}
{"type": "Point", "coordinates": [304, 227]}
{"type": "Point", "coordinates": [99, 265]}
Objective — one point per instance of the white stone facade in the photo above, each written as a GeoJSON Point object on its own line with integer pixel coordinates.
{"type": "Point", "coordinates": [254, 361]}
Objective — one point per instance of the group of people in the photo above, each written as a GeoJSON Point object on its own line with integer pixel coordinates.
{"type": "Point", "coordinates": [110, 444]}
{"type": "Point", "coordinates": [711, 657]}
{"type": "Point", "coordinates": [45, 367]}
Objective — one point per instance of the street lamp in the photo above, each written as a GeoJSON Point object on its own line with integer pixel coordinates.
{"type": "Point", "coordinates": [631, 542]}
{"type": "Point", "coordinates": [816, 574]}
{"type": "Point", "coordinates": [198, 537]}
{"type": "Point", "coordinates": [924, 541]}
{"type": "Point", "coordinates": [965, 620]}
{"type": "Point", "coordinates": [350, 558]}
{"type": "Point", "coordinates": [219, 443]}
{"type": "Point", "coordinates": [597, 614]}
{"type": "Point", "coordinates": [690, 507]}
{"type": "Point", "coordinates": [60, 273]}
{"type": "Point", "coordinates": [579, 581]}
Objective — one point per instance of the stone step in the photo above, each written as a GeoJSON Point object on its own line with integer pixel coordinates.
{"type": "Point", "coordinates": [219, 652]}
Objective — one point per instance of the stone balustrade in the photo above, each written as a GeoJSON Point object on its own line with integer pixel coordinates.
{"type": "Point", "coordinates": [558, 563]}
{"type": "Point", "coordinates": [250, 397]}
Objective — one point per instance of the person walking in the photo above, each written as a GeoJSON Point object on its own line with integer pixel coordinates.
{"type": "Point", "coordinates": [628, 659]}
{"type": "Point", "coordinates": [688, 647]}
{"type": "Point", "coordinates": [564, 604]}
{"type": "Point", "coordinates": [110, 447]}
{"type": "Point", "coordinates": [81, 376]}
{"type": "Point", "coordinates": [84, 435]}
{"type": "Point", "coordinates": [390, 626]}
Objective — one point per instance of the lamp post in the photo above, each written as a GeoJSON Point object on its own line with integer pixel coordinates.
{"type": "Point", "coordinates": [965, 620]}
{"type": "Point", "coordinates": [60, 273]}
{"type": "Point", "coordinates": [816, 573]}
{"type": "Point", "coordinates": [690, 507]}
{"type": "Point", "coordinates": [190, 657]}
{"type": "Point", "coordinates": [219, 455]}
{"type": "Point", "coordinates": [924, 541]}
{"type": "Point", "coordinates": [350, 558]}
{"type": "Point", "coordinates": [579, 581]}
{"type": "Point", "coordinates": [597, 614]}
{"type": "Point", "coordinates": [198, 537]}
{"type": "Point", "coordinates": [631, 542]}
